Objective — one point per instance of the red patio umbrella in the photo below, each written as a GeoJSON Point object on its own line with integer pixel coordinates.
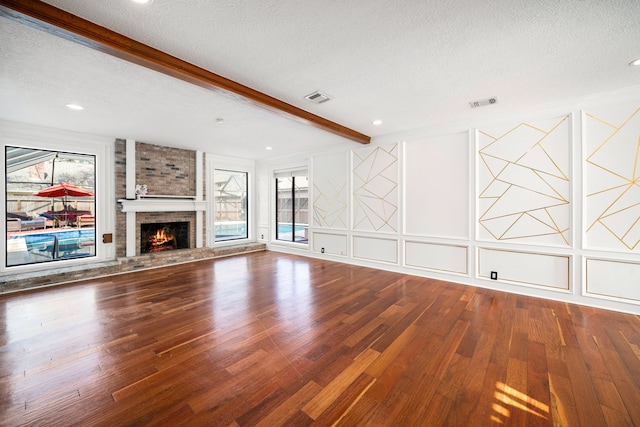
{"type": "Point", "coordinates": [64, 189]}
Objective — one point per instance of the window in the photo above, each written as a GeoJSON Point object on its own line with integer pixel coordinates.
{"type": "Point", "coordinates": [50, 204]}
{"type": "Point", "coordinates": [292, 206]}
{"type": "Point", "coordinates": [231, 219]}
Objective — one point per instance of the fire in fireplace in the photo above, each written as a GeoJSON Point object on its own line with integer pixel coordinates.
{"type": "Point", "coordinates": [166, 236]}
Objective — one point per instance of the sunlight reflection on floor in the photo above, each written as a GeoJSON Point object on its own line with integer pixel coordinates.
{"type": "Point", "coordinates": [510, 397]}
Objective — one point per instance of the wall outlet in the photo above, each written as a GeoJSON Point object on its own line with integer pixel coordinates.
{"type": "Point", "coordinates": [321, 250]}
{"type": "Point", "coordinates": [494, 275]}
{"type": "Point", "coordinates": [262, 236]}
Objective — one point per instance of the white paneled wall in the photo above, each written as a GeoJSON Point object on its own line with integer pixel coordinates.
{"type": "Point", "coordinates": [330, 243]}
{"type": "Point", "coordinates": [524, 182]}
{"type": "Point", "coordinates": [375, 192]}
{"type": "Point", "coordinates": [550, 202]}
{"type": "Point", "coordinates": [615, 279]}
{"type": "Point", "coordinates": [527, 268]}
{"type": "Point", "coordinates": [375, 249]}
{"type": "Point", "coordinates": [331, 191]}
{"type": "Point", "coordinates": [612, 171]}
{"type": "Point", "coordinates": [433, 256]}
{"type": "Point", "coordinates": [436, 186]}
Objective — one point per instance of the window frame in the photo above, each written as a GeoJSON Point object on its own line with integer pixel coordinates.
{"type": "Point", "coordinates": [44, 157]}
{"type": "Point", "coordinates": [42, 138]}
{"type": "Point", "coordinates": [290, 173]}
{"type": "Point", "coordinates": [213, 162]}
{"type": "Point", "coordinates": [246, 206]}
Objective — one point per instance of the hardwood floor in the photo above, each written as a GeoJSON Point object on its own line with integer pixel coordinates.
{"type": "Point", "coordinates": [268, 339]}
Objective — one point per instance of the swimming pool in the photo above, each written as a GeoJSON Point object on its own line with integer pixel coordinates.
{"type": "Point", "coordinates": [37, 238]}
{"type": "Point", "coordinates": [288, 232]}
{"type": "Point", "coordinates": [287, 228]}
{"type": "Point", "coordinates": [41, 247]}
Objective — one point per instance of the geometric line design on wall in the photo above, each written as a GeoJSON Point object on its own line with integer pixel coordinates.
{"type": "Point", "coordinates": [524, 185]}
{"type": "Point", "coordinates": [331, 191]}
{"type": "Point", "coordinates": [329, 207]}
{"type": "Point", "coordinates": [375, 194]}
{"type": "Point", "coordinates": [613, 180]}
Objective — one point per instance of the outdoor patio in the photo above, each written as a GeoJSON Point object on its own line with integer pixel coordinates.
{"type": "Point", "coordinates": [49, 205]}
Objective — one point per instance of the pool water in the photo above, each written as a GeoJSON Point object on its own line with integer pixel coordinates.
{"type": "Point", "coordinates": [43, 247]}
{"type": "Point", "coordinates": [286, 228]}
{"type": "Point", "coordinates": [39, 238]}
{"type": "Point", "coordinates": [287, 232]}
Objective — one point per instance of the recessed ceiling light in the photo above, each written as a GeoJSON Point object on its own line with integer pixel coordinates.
{"type": "Point", "coordinates": [635, 63]}
{"type": "Point", "coordinates": [142, 1]}
{"type": "Point", "coordinates": [377, 122]}
{"type": "Point", "coordinates": [268, 148]}
{"type": "Point", "coordinates": [75, 107]}
{"type": "Point", "coordinates": [219, 120]}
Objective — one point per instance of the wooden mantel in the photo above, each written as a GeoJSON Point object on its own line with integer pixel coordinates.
{"type": "Point", "coordinates": [43, 16]}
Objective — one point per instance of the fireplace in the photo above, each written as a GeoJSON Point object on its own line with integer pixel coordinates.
{"type": "Point", "coordinates": [164, 236]}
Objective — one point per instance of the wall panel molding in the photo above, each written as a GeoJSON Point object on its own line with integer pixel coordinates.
{"type": "Point", "coordinates": [330, 243]}
{"type": "Point", "coordinates": [436, 186]}
{"type": "Point", "coordinates": [375, 249]}
{"type": "Point", "coordinates": [524, 183]}
{"type": "Point", "coordinates": [330, 191]}
{"type": "Point", "coordinates": [613, 279]}
{"type": "Point", "coordinates": [375, 189]}
{"type": "Point", "coordinates": [436, 256]}
{"type": "Point", "coordinates": [527, 268]}
{"type": "Point", "coordinates": [612, 179]}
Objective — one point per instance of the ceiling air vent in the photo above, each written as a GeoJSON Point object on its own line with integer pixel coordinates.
{"type": "Point", "coordinates": [317, 97]}
{"type": "Point", "coordinates": [484, 102]}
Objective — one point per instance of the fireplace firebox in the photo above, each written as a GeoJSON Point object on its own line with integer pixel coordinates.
{"type": "Point", "coordinates": [165, 236]}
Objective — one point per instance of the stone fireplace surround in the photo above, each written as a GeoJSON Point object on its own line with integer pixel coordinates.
{"type": "Point", "coordinates": [164, 169]}
{"type": "Point", "coordinates": [175, 178]}
{"type": "Point", "coordinates": [159, 211]}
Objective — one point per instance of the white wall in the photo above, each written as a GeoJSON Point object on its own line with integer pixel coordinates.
{"type": "Point", "coordinates": [549, 200]}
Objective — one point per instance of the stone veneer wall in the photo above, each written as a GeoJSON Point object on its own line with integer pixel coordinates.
{"type": "Point", "coordinates": [165, 170]}
{"type": "Point", "coordinates": [120, 189]}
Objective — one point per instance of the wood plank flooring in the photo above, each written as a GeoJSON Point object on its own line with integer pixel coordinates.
{"type": "Point", "coordinates": [268, 339]}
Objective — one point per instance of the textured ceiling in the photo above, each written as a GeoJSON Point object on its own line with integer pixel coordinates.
{"type": "Point", "coordinates": [411, 64]}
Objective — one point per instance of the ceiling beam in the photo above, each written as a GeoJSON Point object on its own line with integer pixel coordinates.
{"type": "Point", "coordinates": [50, 19]}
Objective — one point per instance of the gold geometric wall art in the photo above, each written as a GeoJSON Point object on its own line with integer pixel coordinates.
{"type": "Point", "coordinates": [329, 209]}
{"type": "Point", "coordinates": [612, 169]}
{"type": "Point", "coordinates": [375, 189]}
{"type": "Point", "coordinates": [330, 191]}
{"type": "Point", "coordinates": [524, 185]}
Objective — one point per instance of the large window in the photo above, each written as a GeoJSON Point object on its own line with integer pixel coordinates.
{"type": "Point", "coordinates": [292, 206]}
{"type": "Point", "coordinates": [50, 205]}
{"type": "Point", "coordinates": [231, 219]}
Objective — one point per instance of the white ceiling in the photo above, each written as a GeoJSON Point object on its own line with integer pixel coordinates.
{"type": "Point", "coordinates": [409, 63]}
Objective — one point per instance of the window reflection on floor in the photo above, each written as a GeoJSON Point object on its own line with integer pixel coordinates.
{"type": "Point", "coordinates": [509, 399]}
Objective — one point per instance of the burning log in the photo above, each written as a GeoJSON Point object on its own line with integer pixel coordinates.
{"type": "Point", "coordinates": [163, 240]}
